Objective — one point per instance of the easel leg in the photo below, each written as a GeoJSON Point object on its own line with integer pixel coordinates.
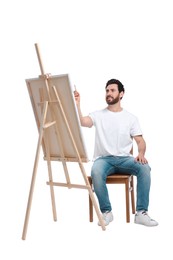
{"type": "Point", "coordinates": [50, 180]}
{"type": "Point", "coordinates": [52, 191]}
{"type": "Point", "coordinates": [80, 162]}
{"type": "Point", "coordinates": [34, 173]}
{"type": "Point", "coordinates": [92, 197]}
{"type": "Point", "coordinates": [96, 209]}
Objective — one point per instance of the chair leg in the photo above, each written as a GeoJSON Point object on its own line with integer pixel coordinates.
{"type": "Point", "coordinates": [132, 194]}
{"type": "Point", "coordinates": [90, 204]}
{"type": "Point", "coordinates": [127, 201]}
{"type": "Point", "coordinates": [90, 210]}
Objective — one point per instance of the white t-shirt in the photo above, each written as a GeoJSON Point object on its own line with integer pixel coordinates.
{"type": "Point", "coordinates": [114, 132]}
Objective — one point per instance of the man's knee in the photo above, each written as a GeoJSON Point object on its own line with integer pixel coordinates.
{"type": "Point", "coordinates": [144, 170]}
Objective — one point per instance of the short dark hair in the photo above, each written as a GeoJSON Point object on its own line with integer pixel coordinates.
{"type": "Point", "coordinates": [116, 81]}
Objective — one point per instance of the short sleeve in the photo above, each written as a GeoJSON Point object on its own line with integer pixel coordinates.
{"type": "Point", "coordinates": [135, 128]}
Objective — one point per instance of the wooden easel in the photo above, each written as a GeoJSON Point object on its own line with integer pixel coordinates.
{"type": "Point", "coordinates": [50, 102]}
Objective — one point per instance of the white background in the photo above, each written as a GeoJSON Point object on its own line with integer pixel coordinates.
{"type": "Point", "coordinates": [93, 41]}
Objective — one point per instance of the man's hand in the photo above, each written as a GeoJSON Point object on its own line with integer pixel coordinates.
{"type": "Point", "coordinates": [141, 149]}
{"type": "Point", "coordinates": [77, 97]}
{"type": "Point", "coordinates": [141, 159]}
{"type": "Point", "coordinates": [84, 120]}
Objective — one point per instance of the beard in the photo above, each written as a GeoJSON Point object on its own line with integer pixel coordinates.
{"type": "Point", "coordinates": [112, 101]}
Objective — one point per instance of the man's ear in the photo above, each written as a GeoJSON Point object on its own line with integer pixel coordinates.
{"type": "Point", "coordinates": [121, 94]}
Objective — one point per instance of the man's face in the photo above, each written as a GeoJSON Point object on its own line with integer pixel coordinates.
{"type": "Point", "coordinates": [112, 94]}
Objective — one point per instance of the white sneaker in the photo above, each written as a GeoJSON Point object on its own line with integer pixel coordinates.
{"type": "Point", "coordinates": [107, 217]}
{"type": "Point", "coordinates": [143, 219]}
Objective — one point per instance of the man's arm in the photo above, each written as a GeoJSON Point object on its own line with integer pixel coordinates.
{"type": "Point", "coordinates": [141, 149]}
{"type": "Point", "coordinates": [84, 120]}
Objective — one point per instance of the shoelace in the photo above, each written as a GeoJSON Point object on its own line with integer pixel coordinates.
{"type": "Point", "coordinates": [145, 214]}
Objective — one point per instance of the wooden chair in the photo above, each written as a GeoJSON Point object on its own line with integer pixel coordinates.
{"type": "Point", "coordinates": [126, 179]}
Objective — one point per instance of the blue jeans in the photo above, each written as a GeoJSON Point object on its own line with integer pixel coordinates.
{"type": "Point", "coordinates": [104, 166]}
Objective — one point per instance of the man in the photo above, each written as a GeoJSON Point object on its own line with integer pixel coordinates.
{"type": "Point", "coordinates": [115, 130]}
